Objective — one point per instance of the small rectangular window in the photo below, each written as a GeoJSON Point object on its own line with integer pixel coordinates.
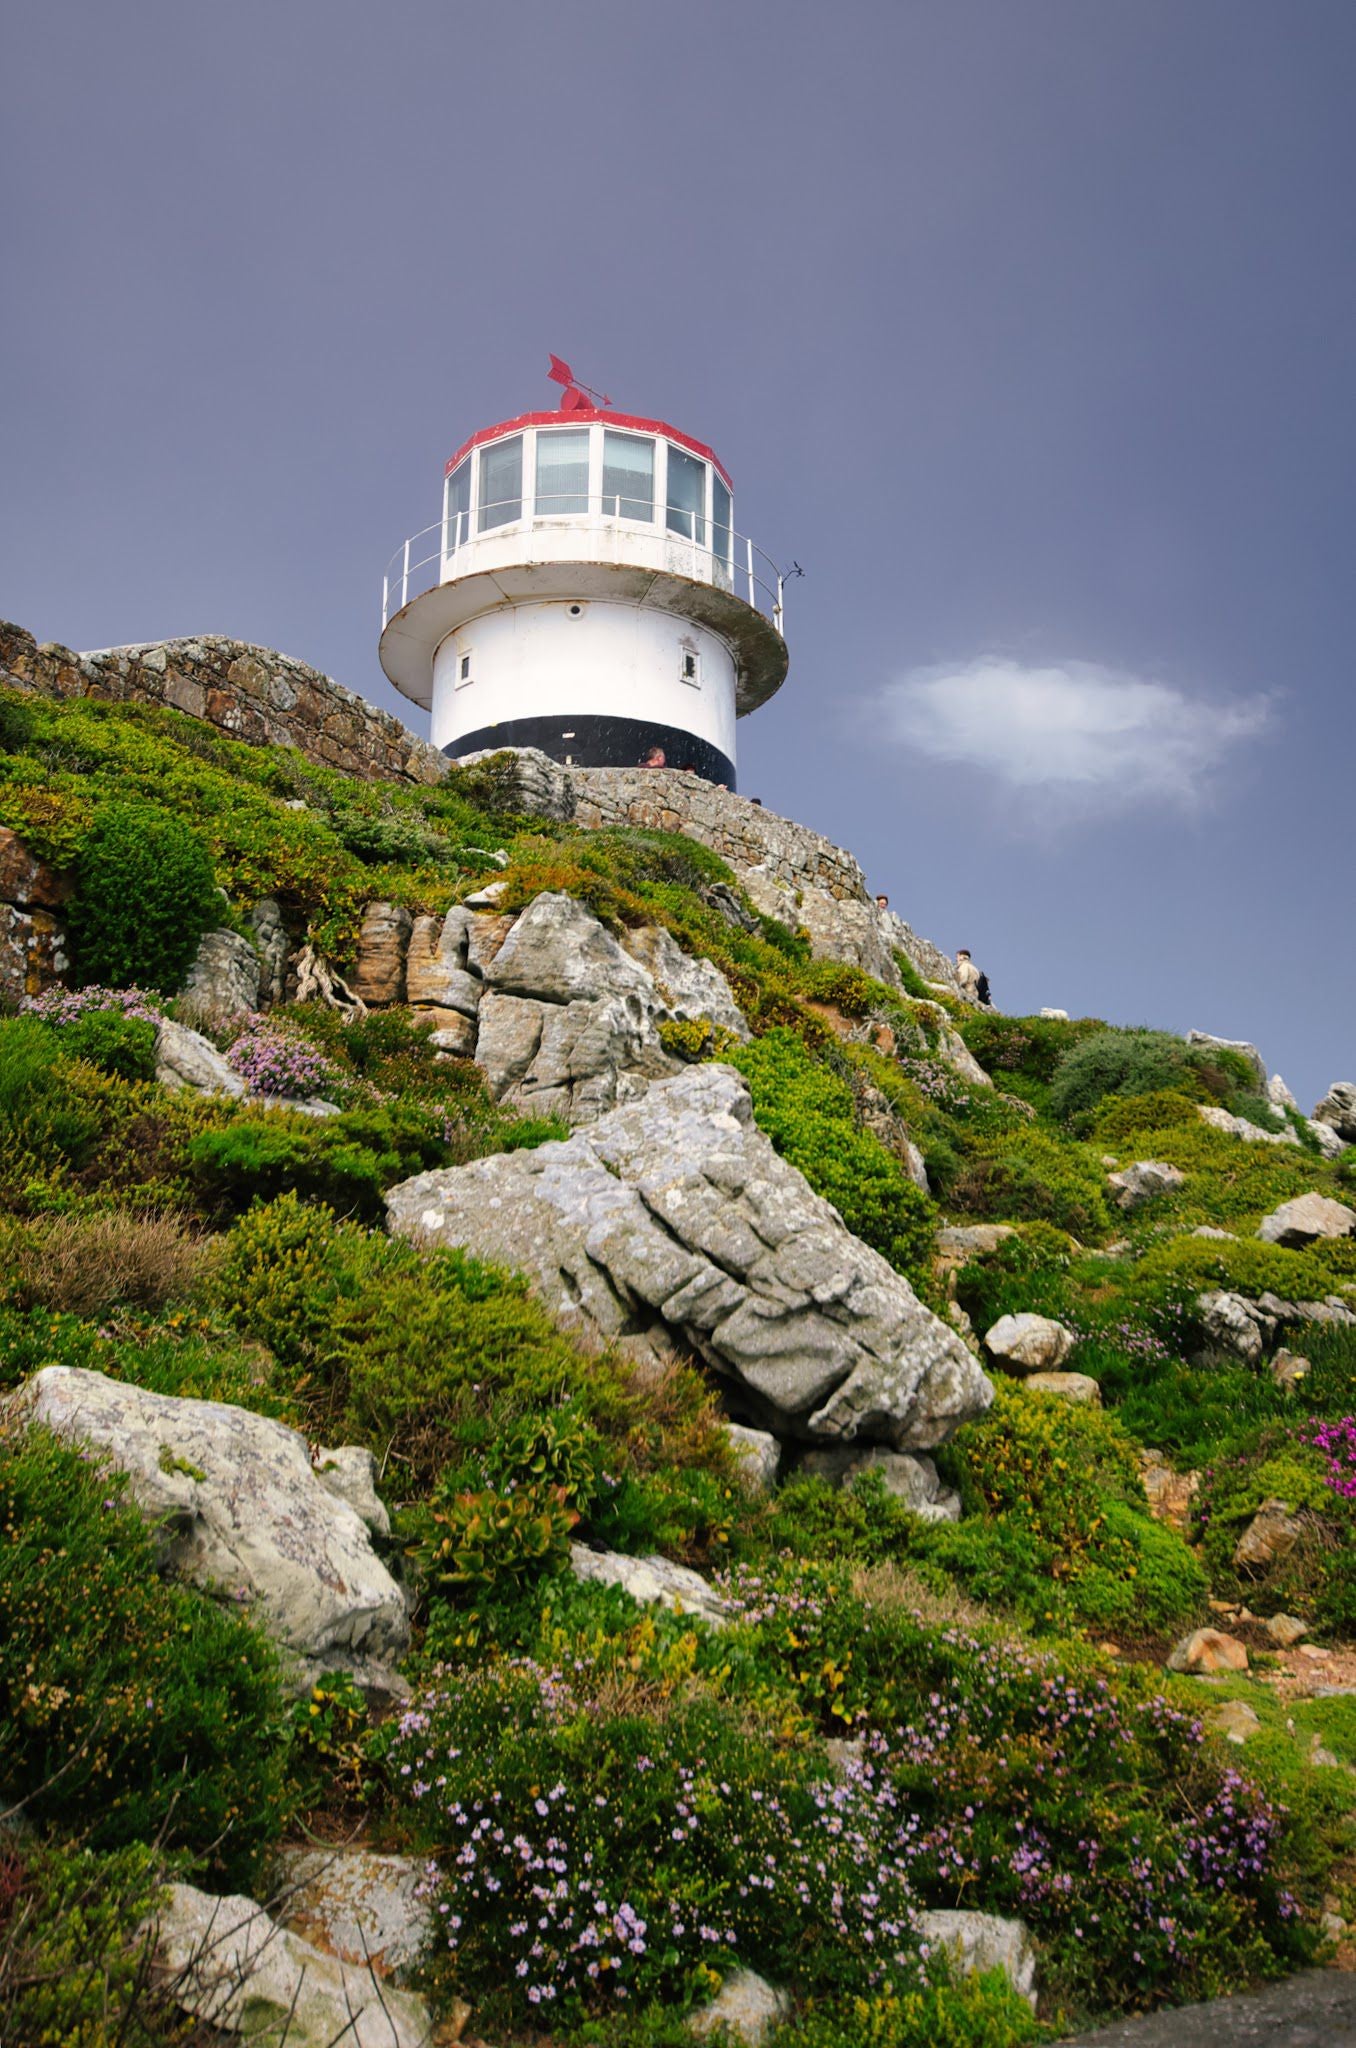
{"type": "Point", "coordinates": [687, 496]}
{"type": "Point", "coordinates": [628, 476]}
{"type": "Point", "coordinates": [691, 666]}
{"type": "Point", "coordinates": [501, 483]}
{"type": "Point", "coordinates": [562, 472]}
{"type": "Point", "coordinates": [465, 670]}
{"type": "Point", "coordinates": [458, 506]}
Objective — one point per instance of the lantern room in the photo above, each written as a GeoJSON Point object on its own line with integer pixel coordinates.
{"type": "Point", "coordinates": [586, 592]}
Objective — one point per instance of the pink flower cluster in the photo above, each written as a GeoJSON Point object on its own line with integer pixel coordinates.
{"type": "Point", "coordinates": [277, 1062]}
{"type": "Point", "coordinates": [65, 1005]}
{"type": "Point", "coordinates": [1337, 1442]}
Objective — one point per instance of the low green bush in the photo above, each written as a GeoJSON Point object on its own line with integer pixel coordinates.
{"type": "Point", "coordinates": [130, 1709]}
{"type": "Point", "coordinates": [145, 893]}
{"type": "Point", "coordinates": [121, 1046]}
{"type": "Point", "coordinates": [75, 1971]}
{"type": "Point", "coordinates": [1026, 1272]}
{"type": "Point", "coordinates": [1135, 1062]}
{"type": "Point", "coordinates": [1027, 1175]}
{"type": "Point", "coordinates": [808, 1113]}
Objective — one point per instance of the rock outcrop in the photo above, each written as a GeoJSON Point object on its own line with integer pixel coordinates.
{"type": "Point", "coordinates": [357, 1905]}
{"type": "Point", "coordinates": [1142, 1182]}
{"type": "Point", "coordinates": [651, 1582]}
{"type": "Point", "coordinates": [227, 1961]}
{"type": "Point", "coordinates": [912, 1479]}
{"type": "Point", "coordinates": [1028, 1343]}
{"type": "Point", "coordinates": [33, 897]}
{"type": "Point", "coordinates": [1209, 1043]}
{"type": "Point", "coordinates": [240, 1512]}
{"type": "Point", "coordinates": [1306, 1219]}
{"type": "Point", "coordinates": [675, 1223]}
{"type": "Point", "coordinates": [984, 1941]}
{"type": "Point", "coordinates": [1338, 1110]}
{"type": "Point", "coordinates": [1241, 1127]}
{"type": "Point", "coordinates": [223, 980]}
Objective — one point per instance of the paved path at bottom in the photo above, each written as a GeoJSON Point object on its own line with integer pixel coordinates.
{"type": "Point", "coordinates": [1317, 2009]}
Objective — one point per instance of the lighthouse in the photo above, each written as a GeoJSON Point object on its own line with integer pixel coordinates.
{"type": "Point", "coordinates": [585, 592]}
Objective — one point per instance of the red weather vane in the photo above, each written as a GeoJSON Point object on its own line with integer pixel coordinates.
{"type": "Point", "coordinates": [577, 395]}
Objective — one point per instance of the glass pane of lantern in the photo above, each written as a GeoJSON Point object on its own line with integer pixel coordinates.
{"type": "Point", "coordinates": [628, 476]}
{"type": "Point", "coordinates": [720, 521]}
{"type": "Point", "coordinates": [562, 471]}
{"type": "Point", "coordinates": [501, 483]}
{"type": "Point", "coordinates": [458, 505]}
{"type": "Point", "coordinates": [687, 495]}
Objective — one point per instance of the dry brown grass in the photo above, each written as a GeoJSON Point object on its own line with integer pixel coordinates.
{"type": "Point", "coordinates": [85, 1265]}
{"type": "Point", "coordinates": [896, 1586]}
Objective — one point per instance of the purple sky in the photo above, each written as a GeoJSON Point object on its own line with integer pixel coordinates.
{"type": "Point", "coordinates": [1026, 325]}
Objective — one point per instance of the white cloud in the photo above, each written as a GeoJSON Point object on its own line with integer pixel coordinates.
{"type": "Point", "coordinates": [1088, 732]}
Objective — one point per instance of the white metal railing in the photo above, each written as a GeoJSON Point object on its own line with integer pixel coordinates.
{"type": "Point", "coordinates": [709, 554]}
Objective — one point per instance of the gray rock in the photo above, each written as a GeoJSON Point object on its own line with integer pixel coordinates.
{"type": "Point", "coordinates": [1210, 1230]}
{"type": "Point", "coordinates": [1306, 1219]}
{"type": "Point", "coordinates": [1239, 1127]}
{"type": "Point", "coordinates": [673, 1221]}
{"type": "Point", "coordinates": [228, 1962]}
{"type": "Point", "coordinates": [1234, 1327]}
{"type": "Point", "coordinates": [272, 948]}
{"type": "Point", "coordinates": [1285, 1630]}
{"type": "Point", "coordinates": [1056, 1016]}
{"type": "Point", "coordinates": [1249, 1052]}
{"type": "Point", "coordinates": [1338, 1110]}
{"type": "Point", "coordinates": [651, 1582]}
{"type": "Point", "coordinates": [688, 988]}
{"type": "Point", "coordinates": [957, 1243]}
{"type": "Point", "coordinates": [911, 1479]}
{"type": "Point", "coordinates": [455, 1036]}
{"type": "Point", "coordinates": [1078, 1387]}
{"type": "Point", "coordinates": [223, 980]}
{"type": "Point", "coordinates": [759, 1455]}
{"type": "Point", "coordinates": [576, 1060]}
{"type": "Point", "coordinates": [1235, 1720]}
{"type": "Point", "coordinates": [1029, 1343]}
{"type": "Point", "coordinates": [1144, 1180]}
{"type": "Point", "coordinates": [746, 2008]}
{"type": "Point", "coordinates": [1270, 1536]}
{"type": "Point", "coordinates": [984, 1941]}
{"type": "Point", "coordinates": [358, 1906]}
{"type": "Point", "coordinates": [436, 969]}
{"type": "Point", "coordinates": [185, 1059]}
{"type": "Point", "coordinates": [1206, 1652]}
{"type": "Point", "coordinates": [530, 781]}
{"type": "Point", "coordinates": [1326, 1138]}
{"type": "Point", "coordinates": [239, 1512]}
{"type": "Point", "coordinates": [1288, 1368]}
{"type": "Point", "coordinates": [379, 970]}
{"type": "Point", "coordinates": [350, 1473]}
{"type": "Point", "coordinates": [1279, 1096]}
{"type": "Point", "coordinates": [558, 952]}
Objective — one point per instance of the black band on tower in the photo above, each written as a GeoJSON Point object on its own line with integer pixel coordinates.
{"type": "Point", "coordinates": [594, 742]}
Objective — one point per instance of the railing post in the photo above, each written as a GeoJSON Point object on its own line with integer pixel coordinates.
{"type": "Point", "coordinates": [385, 601]}
{"type": "Point", "coordinates": [748, 556]}
{"type": "Point", "coordinates": [778, 610]}
{"type": "Point", "coordinates": [405, 578]}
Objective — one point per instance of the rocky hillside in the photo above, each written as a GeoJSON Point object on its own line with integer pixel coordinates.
{"type": "Point", "coordinates": [591, 1455]}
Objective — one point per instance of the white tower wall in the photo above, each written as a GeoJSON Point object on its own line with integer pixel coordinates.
{"type": "Point", "coordinates": [581, 660]}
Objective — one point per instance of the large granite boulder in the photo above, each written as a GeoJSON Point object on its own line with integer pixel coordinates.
{"type": "Point", "coordinates": [240, 1512]}
{"type": "Point", "coordinates": [1142, 1181]}
{"type": "Point", "coordinates": [185, 1059]}
{"type": "Point", "coordinates": [1028, 1343]}
{"type": "Point", "coordinates": [1338, 1110]}
{"type": "Point", "coordinates": [227, 1962]}
{"type": "Point", "coordinates": [651, 1582]}
{"type": "Point", "coordinates": [673, 1223]}
{"type": "Point", "coordinates": [568, 1018]}
{"type": "Point", "coordinates": [1306, 1219]}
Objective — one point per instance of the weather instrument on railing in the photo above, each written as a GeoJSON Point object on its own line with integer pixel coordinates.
{"type": "Point", "coordinates": [585, 592]}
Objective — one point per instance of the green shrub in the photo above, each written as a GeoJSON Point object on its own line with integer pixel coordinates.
{"type": "Point", "coordinates": [808, 1113]}
{"type": "Point", "coordinates": [76, 1971]}
{"type": "Point", "coordinates": [1060, 1531]}
{"type": "Point", "coordinates": [1026, 1272]}
{"type": "Point", "coordinates": [1030, 1176]}
{"type": "Point", "coordinates": [44, 1127]}
{"type": "Point", "coordinates": [117, 1045]}
{"type": "Point", "coordinates": [145, 894]}
{"type": "Point", "coordinates": [1114, 1062]}
{"type": "Point", "coordinates": [977, 2012]}
{"type": "Point", "coordinates": [130, 1709]}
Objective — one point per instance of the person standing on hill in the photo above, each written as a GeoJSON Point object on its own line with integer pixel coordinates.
{"type": "Point", "coordinates": [968, 975]}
